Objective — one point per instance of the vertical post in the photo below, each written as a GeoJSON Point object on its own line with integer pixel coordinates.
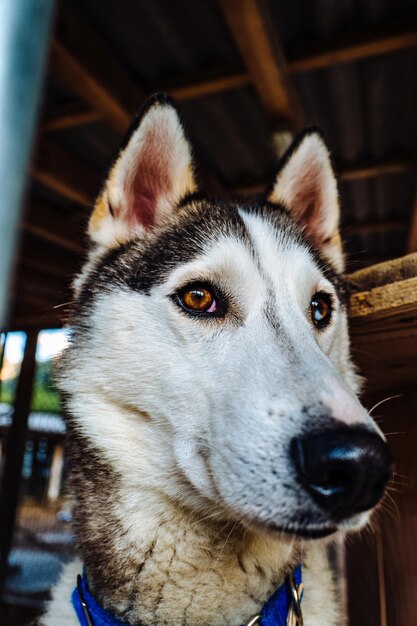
{"type": "Point", "coordinates": [2, 351]}
{"type": "Point", "coordinates": [15, 448]}
{"type": "Point", "coordinates": [24, 30]}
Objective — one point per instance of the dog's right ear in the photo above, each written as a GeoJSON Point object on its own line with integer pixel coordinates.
{"type": "Point", "coordinates": [151, 175]}
{"type": "Point", "coordinates": [306, 187]}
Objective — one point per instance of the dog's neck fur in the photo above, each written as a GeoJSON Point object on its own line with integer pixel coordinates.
{"type": "Point", "coordinates": [188, 572]}
{"type": "Point", "coordinates": [150, 560]}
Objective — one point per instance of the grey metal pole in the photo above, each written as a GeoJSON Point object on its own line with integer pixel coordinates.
{"type": "Point", "coordinates": [24, 34]}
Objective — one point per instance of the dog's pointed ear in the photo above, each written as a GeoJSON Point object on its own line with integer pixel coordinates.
{"type": "Point", "coordinates": [151, 175]}
{"type": "Point", "coordinates": [306, 186]}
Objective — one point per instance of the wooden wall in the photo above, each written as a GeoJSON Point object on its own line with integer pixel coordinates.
{"type": "Point", "coordinates": [382, 563]}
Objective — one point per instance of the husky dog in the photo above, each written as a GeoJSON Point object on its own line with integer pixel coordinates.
{"type": "Point", "coordinates": [215, 435]}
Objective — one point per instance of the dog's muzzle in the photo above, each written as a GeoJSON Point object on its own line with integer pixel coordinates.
{"type": "Point", "coordinates": [344, 470]}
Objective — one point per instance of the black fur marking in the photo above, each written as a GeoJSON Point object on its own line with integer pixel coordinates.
{"type": "Point", "coordinates": [95, 485]}
{"type": "Point", "coordinates": [240, 562]}
{"type": "Point", "coordinates": [142, 264]}
{"type": "Point", "coordinates": [146, 262]}
{"type": "Point", "coordinates": [261, 572]}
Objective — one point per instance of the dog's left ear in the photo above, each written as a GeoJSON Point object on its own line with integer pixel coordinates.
{"type": "Point", "coordinates": [306, 186]}
{"type": "Point", "coordinates": [151, 175]}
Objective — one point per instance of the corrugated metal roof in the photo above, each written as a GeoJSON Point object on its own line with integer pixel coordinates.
{"type": "Point", "coordinates": [367, 109]}
{"type": "Point", "coordinates": [159, 39]}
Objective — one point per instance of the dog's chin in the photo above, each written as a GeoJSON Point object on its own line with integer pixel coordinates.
{"type": "Point", "coordinates": [303, 532]}
{"type": "Point", "coordinates": [322, 530]}
{"type": "Point", "coordinates": [312, 531]}
{"type": "Point", "coordinates": [354, 523]}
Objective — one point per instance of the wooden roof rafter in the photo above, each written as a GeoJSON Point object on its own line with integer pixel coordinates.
{"type": "Point", "coordinates": [356, 170]}
{"type": "Point", "coordinates": [70, 115]}
{"type": "Point", "coordinates": [48, 225]}
{"type": "Point", "coordinates": [62, 172]}
{"type": "Point", "coordinates": [251, 27]}
{"type": "Point", "coordinates": [351, 47]}
{"type": "Point", "coordinates": [76, 114]}
{"type": "Point", "coordinates": [383, 320]}
{"type": "Point", "coordinates": [88, 66]}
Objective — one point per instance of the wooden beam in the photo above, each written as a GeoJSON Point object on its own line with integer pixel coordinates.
{"type": "Point", "coordinates": [350, 47]}
{"type": "Point", "coordinates": [373, 169]}
{"type": "Point", "coordinates": [393, 271]}
{"type": "Point", "coordinates": [35, 302]}
{"type": "Point", "coordinates": [45, 257]}
{"type": "Point", "coordinates": [385, 301]}
{"type": "Point", "coordinates": [48, 224]}
{"type": "Point", "coordinates": [208, 87]}
{"type": "Point", "coordinates": [251, 27]}
{"type": "Point", "coordinates": [32, 281]}
{"type": "Point", "coordinates": [372, 228]}
{"type": "Point", "coordinates": [383, 320]}
{"type": "Point", "coordinates": [350, 171]}
{"type": "Point", "coordinates": [65, 174]}
{"type": "Point", "coordinates": [91, 69]}
{"type": "Point", "coordinates": [76, 114]}
{"type": "Point", "coordinates": [69, 116]}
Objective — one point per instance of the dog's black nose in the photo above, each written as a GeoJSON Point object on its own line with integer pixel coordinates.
{"type": "Point", "coordinates": [344, 470]}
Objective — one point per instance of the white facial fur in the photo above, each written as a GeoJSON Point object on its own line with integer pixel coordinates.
{"type": "Point", "coordinates": [218, 401]}
{"type": "Point", "coordinates": [181, 426]}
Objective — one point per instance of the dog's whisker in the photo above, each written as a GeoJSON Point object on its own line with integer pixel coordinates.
{"type": "Point", "coordinates": [398, 432]}
{"type": "Point", "coordinates": [393, 503]}
{"type": "Point", "coordinates": [383, 402]}
{"type": "Point", "coordinates": [59, 306]}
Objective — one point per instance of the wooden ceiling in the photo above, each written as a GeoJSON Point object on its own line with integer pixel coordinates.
{"type": "Point", "coordinates": [102, 94]}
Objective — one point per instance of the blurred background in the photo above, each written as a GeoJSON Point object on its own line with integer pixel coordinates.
{"type": "Point", "coordinates": [248, 75]}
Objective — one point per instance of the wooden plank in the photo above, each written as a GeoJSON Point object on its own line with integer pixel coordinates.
{"type": "Point", "coordinates": [372, 228]}
{"type": "Point", "coordinates": [392, 271]}
{"type": "Point", "coordinates": [251, 27]}
{"type": "Point", "coordinates": [31, 301]}
{"type": "Point", "coordinates": [383, 321]}
{"type": "Point", "coordinates": [350, 47]}
{"type": "Point", "coordinates": [349, 172]}
{"type": "Point", "coordinates": [69, 116]}
{"type": "Point", "coordinates": [374, 169]}
{"type": "Point", "coordinates": [398, 517]}
{"type": "Point", "coordinates": [388, 300]}
{"type": "Point", "coordinates": [66, 231]}
{"type": "Point", "coordinates": [208, 87]}
{"type": "Point", "coordinates": [36, 283]}
{"type": "Point", "coordinates": [75, 114]}
{"type": "Point", "coordinates": [46, 257]}
{"type": "Point", "coordinates": [65, 174]}
{"type": "Point", "coordinates": [91, 69]}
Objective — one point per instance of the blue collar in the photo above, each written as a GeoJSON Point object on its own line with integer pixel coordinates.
{"type": "Point", "coordinates": [275, 611]}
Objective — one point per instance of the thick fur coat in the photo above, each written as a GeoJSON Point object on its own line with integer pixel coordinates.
{"type": "Point", "coordinates": [187, 505]}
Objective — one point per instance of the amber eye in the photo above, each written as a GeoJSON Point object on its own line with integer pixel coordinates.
{"type": "Point", "coordinates": [321, 309]}
{"type": "Point", "coordinates": [199, 299]}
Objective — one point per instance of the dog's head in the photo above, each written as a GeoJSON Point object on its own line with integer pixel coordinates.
{"type": "Point", "coordinates": [210, 358]}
